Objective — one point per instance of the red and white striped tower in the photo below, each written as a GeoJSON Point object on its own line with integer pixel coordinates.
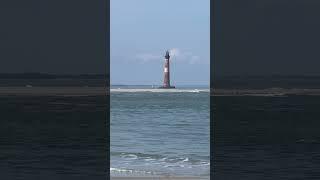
{"type": "Point", "coordinates": [166, 71]}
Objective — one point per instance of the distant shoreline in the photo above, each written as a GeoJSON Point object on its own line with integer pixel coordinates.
{"type": "Point", "coordinates": [265, 92]}
{"type": "Point", "coordinates": [54, 91]}
{"type": "Point", "coordinates": [94, 91]}
{"type": "Point", "coordinates": [51, 76]}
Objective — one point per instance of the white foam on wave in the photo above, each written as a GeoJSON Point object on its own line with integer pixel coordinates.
{"type": "Point", "coordinates": [185, 160]}
{"type": "Point", "coordinates": [149, 159]}
{"type": "Point", "coordinates": [130, 156]}
{"type": "Point", "coordinates": [160, 90]}
{"type": "Point", "coordinates": [120, 171]}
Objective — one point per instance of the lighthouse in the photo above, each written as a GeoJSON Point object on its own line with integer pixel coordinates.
{"type": "Point", "coordinates": [166, 72]}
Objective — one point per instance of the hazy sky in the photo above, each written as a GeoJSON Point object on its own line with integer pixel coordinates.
{"type": "Point", "coordinates": [141, 32]}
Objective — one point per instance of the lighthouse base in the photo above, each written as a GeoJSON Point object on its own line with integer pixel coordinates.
{"type": "Point", "coordinates": [167, 87]}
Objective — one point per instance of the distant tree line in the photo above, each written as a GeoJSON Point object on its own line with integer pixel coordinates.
{"type": "Point", "coordinates": [50, 76]}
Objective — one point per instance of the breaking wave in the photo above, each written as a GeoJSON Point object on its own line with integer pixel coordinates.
{"type": "Point", "coordinates": [136, 163]}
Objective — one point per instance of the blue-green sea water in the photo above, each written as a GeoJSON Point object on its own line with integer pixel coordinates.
{"type": "Point", "coordinates": [160, 133]}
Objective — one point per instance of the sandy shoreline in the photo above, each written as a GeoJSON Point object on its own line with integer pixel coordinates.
{"type": "Point", "coordinates": [161, 178]}
{"type": "Point", "coordinates": [156, 90]}
{"type": "Point", "coordinates": [99, 91]}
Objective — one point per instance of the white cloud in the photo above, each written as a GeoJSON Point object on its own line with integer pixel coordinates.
{"type": "Point", "coordinates": [184, 56]}
{"type": "Point", "coordinates": [175, 52]}
{"type": "Point", "coordinates": [178, 55]}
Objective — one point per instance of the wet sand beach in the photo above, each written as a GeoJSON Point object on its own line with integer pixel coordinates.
{"type": "Point", "coordinates": [160, 178]}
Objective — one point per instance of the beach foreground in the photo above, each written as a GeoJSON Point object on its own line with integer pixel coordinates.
{"type": "Point", "coordinates": [160, 178]}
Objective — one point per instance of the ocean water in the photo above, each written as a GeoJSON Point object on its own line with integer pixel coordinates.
{"type": "Point", "coordinates": [160, 132]}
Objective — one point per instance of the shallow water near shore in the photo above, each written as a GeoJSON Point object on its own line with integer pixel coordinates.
{"type": "Point", "coordinates": [160, 133]}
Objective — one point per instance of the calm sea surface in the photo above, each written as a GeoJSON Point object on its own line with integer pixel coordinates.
{"type": "Point", "coordinates": [160, 133]}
